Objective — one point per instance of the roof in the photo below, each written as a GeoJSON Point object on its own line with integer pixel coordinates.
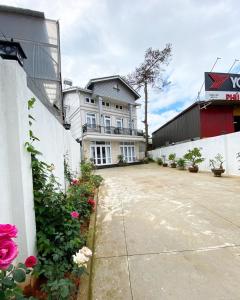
{"type": "Point", "coordinates": [100, 79]}
{"type": "Point", "coordinates": [203, 103]}
{"type": "Point", "coordinates": [76, 88]}
{"type": "Point", "coordinates": [22, 11]}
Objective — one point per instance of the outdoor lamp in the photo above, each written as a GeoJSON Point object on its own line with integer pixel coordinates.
{"type": "Point", "coordinates": [12, 50]}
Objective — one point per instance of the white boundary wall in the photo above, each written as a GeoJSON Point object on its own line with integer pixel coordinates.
{"type": "Point", "coordinates": [228, 145]}
{"type": "Point", "coordinates": [16, 200]}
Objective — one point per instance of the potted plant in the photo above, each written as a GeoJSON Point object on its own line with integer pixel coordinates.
{"type": "Point", "coordinates": [216, 165]}
{"type": "Point", "coordinates": [194, 156]}
{"type": "Point", "coordinates": [172, 159]}
{"type": "Point", "coordinates": [159, 161]}
{"type": "Point", "coordinates": [181, 164]}
{"type": "Point", "coordinates": [164, 161]}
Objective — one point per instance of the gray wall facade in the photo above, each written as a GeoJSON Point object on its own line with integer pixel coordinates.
{"type": "Point", "coordinates": [184, 127]}
{"type": "Point", "coordinates": [106, 89]}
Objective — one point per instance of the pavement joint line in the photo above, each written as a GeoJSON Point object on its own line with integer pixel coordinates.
{"type": "Point", "coordinates": [217, 214]}
{"type": "Point", "coordinates": [124, 232]}
{"type": "Point", "coordinates": [210, 248]}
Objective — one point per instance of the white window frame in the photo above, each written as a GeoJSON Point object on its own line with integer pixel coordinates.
{"type": "Point", "coordinates": [107, 128]}
{"type": "Point", "coordinates": [128, 151]}
{"type": "Point", "coordinates": [92, 117]}
{"type": "Point", "coordinates": [119, 120]}
{"type": "Point", "coordinates": [99, 148]}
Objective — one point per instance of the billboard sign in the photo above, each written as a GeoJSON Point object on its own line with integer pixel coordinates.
{"type": "Point", "coordinates": [222, 86]}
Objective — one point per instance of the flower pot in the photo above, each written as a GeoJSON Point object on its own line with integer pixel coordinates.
{"type": "Point", "coordinates": [173, 165]}
{"type": "Point", "coordinates": [218, 172]}
{"type": "Point", "coordinates": [193, 169]}
{"type": "Point", "coordinates": [165, 164]}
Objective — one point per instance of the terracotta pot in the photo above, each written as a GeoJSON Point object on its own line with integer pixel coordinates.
{"type": "Point", "coordinates": [173, 165]}
{"type": "Point", "coordinates": [181, 168]}
{"type": "Point", "coordinates": [193, 169]}
{"type": "Point", "coordinates": [218, 172]}
{"type": "Point", "coordinates": [165, 164]}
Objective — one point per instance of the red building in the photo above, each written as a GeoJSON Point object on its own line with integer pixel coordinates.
{"type": "Point", "coordinates": [200, 120]}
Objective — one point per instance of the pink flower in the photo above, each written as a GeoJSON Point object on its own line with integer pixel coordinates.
{"type": "Point", "coordinates": [8, 231]}
{"type": "Point", "coordinates": [8, 252]}
{"type": "Point", "coordinates": [75, 181]}
{"type": "Point", "coordinates": [31, 261]}
{"type": "Point", "coordinates": [74, 214]}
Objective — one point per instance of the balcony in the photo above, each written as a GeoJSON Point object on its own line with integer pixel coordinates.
{"type": "Point", "coordinates": [93, 128]}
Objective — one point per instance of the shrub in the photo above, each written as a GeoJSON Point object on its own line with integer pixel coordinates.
{"type": "Point", "coordinates": [172, 157]}
{"type": "Point", "coordinates": [194, 156]}
{"type": "Point", "coordinates": [159, 161]}
{"type": "Point", "coordinates": [181, 163]}
{"type": "Point", "coordinates": [87, 169]}
{"type": "Point", "coordinates": [217, 162]}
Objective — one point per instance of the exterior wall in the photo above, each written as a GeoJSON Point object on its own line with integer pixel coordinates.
{"type": "Point", "coordinates": [216, 120]}
{"type": "Point", "coordinates": [105, 89]}
{"type": "Point", "coordinates": [77, 109]}
{"type": "Point", "coordinates": [115, 148]}
{"type": "Point", "coordinates": [17, 205]}
{"type": "Point", "coordinates": [185, 127]}
{"type": "Point", "coordinates": [228, 145]}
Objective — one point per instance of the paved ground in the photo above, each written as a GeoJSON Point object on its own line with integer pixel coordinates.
{"type": "Point", "coordinates": [167, 234]}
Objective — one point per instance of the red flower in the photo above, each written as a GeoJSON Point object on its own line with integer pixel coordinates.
{"type": "Point", "coordinates": [75, 181]}
{"type": "Point", "coordinates": [8, 231]}
{"type": "Point", "coordinates": [31, 261]}
{"type": "Point", "coordinates": [91, 202]}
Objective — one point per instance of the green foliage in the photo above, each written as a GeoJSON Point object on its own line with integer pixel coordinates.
{"type": "Point", "coordinates": [172, 157]}
{"type": "Point", "coordinates": [181, 163]}
{"type": "Point", "coordinates": [217, 162]}
{"type": "Point", "coordinates": [9, 280]}
{"type": "Point", "coordinates": [194, 156]}
{"type": "Point", "coordinates": [87, 169]}
{"type": "Point", "coordinates": [59, 235]}
{"type": "Point", "coordinates": [67, 171]}
{"type": "Point", "coordinates": [159, 161]}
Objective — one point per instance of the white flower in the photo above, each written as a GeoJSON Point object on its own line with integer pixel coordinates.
{"type": "Point", "coordinates": [86, 251]}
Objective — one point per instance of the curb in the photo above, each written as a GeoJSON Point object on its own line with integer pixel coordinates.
{"type": "Point", "coordinates": [84, 292]}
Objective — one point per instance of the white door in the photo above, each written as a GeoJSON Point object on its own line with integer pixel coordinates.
{"type": "Point", "coordinates": [107, 124]}
{"type": "Point", "coordinates": [101, 154]}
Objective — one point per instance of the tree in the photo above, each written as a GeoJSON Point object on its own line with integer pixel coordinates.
{"type": "Point", "coordinates": [149, 74]}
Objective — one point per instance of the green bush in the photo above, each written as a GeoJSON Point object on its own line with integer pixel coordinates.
{"type": "Point", "coordinates": [194, 156]}
{"type": "Point", "coordinates": [87, 169]}
{"type": "Point", "coordinates": [181, 163]}
{"type": "Point", "coordinates": [172, 157]}
{"type": "Point", "coordinates": [159, 161]}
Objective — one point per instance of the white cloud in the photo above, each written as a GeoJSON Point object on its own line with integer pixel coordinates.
{"type": "Point", "coordinates": [107, 37]}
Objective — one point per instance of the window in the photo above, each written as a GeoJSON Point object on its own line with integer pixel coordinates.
{"type": "Point", "coordinates": [100, 152]}
{"type": "Point", "coordinates": [119, 123]}
{"type": "Point", "coordinates": [105, 103]}
{"type": "Point", "coordinates": [120, 107]}
{"type": "Point", "coordinates": [108, 104]}
{"type": "Point", "coordinates": [91, 120]}
{"type": "Point", "coordinates": [107, 124]}
{"type": "Point", "coordinates": [89, 100]}
{"type": "Point", "coordinates": [127, 150]}
{"type": "Point", "coordinates": [117, 106]}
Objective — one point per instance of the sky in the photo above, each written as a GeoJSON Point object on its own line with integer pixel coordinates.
{"type": "Point", "coordinates": [109, 37]}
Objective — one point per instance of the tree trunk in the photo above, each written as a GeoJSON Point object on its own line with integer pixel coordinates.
{"type": "Point", "coordinates": [146, 117]}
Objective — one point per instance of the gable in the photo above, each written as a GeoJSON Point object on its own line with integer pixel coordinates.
{"type": "Point", "coordinates": [114, 89]}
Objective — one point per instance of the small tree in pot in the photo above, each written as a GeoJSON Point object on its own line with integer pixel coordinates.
{"type": "Point", "coordinates": [181, 164]}
{"type": "Point", "coordinates": [159, 161]}
{"type": "Point", "coordinates": [164, 161]}
{"type": "Point", "coordinates": [194, 156]}
{"type": "Point", "coordinates": [216, 165]}
{"type": "Point", "coordinates": [172, 159]}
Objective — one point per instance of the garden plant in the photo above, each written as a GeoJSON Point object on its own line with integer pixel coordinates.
{"type": "Point", "coordinates": [172, 159]}
{"type": "Point", "coordinates": [194, 157]}
{"type": "Point", "coordinates": [216, 165]}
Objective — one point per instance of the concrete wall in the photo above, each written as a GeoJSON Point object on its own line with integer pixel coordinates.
{"type": "Point", "coordinates": [228, 145]}
{"type": "Point", "coordinates": [16, 202]}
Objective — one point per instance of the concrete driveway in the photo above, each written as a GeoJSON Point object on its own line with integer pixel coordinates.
{"type": "Point", "coordinates": [166, 234]}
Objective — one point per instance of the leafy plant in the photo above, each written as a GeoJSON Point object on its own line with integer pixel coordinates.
{"type": "Point", "coordinates": [120, 159]}
{"type": "Point", "coordinates": [181, 163]}
{"type": "Point", "coordinates": [194, 156]}
{"type": "Point", "coordinates": [159, 161]}
{"type": "Point", "coordinates": [217, 162]}
{"type": "Point", "coordinates": [172, 157]}
{"type": "Point", "coordinates": [87, 169]}
{"type": "Point", "coordinates": [67, 171]}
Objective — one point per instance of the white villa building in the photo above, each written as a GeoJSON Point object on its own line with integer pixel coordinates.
{"type": "Point", "coordinates": [103, 119]}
